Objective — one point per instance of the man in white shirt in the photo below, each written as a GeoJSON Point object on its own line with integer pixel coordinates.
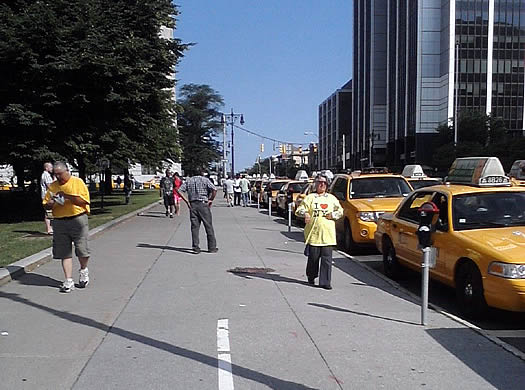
{"type": "Point", "coordinates": [237, 191]}
{"type": "Point", "coordinates": [245, 189]}
{"type": "Point", "coordinates": [45, 180]}
{"type": "Point", "coordinates": [228, 190]}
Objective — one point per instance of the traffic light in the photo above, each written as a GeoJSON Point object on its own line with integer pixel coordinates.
{"type": "Point", "coordinates": [282, 148]}
{"type": "Point", "coordinates": [262, 148]}
{"type": "Point", "coordinates": [300, 149]}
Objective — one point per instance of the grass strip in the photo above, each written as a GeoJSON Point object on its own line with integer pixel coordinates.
{"type": "Point", "coordinates": [22, 239]}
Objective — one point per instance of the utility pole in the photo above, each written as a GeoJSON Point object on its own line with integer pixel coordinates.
{"type": "Point", "coordinates": [224, 155]}
{"type": "Point", "coordinates": [231, 118]}
{"type": "Point", "coordinates": [456, 82]}
{"type": "Point", "coordinates": [344, 153]}
{"type": "Point", "coordinates": [370, 147]}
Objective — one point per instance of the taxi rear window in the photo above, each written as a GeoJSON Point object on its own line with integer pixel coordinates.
{"type": "Point", "coordinates": [277, 185]}
{"type": "Point", "coordinates": [297, 187]}
{"type": "Point", "coordinates": [378, 187]}
{"type": "Point", "coordinates": [423, 183]}
{"type": "Point", "coordinates": [488, 210]}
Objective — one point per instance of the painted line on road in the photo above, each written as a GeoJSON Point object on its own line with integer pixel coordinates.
{"type": "Point", "coordinates": [224, 358]}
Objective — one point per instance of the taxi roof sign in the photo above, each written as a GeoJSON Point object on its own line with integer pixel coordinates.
{"type": "Point", "coordinates": [478, 171]}
{"type": "Point", "coordinates": [518, 170]}
{"type": "Point", "coordinates": [413, 171]}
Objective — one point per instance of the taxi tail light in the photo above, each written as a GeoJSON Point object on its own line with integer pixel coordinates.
{"type": "Point", "coordinates": [508, 271]}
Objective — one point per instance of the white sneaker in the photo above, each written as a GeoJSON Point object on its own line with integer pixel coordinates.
{"type": "Point", "coordinates": [67, 286]}
{"type": "Point", "coordinates": [83, 280]}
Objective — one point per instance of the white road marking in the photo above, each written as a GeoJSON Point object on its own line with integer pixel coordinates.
{"type": "Point", "coordinates": [224, 357]}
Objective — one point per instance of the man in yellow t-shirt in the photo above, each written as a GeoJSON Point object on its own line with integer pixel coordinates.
{"type": "Point", "coordinates": [320, 210]}
{"type": "Point", "coordinates": [68, 198]}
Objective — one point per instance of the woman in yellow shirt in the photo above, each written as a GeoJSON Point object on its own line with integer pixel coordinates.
{"type": "Point", "coordinates": [320, 210]}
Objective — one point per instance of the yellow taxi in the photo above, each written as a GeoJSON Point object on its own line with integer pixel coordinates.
{"type": "Point", "coordinates": [300, 197]}
{"type": "Point", "coordinates": [517, 173]}
{"type": "Point", "coordinates": [479, 236]}
{"type": "Point", "coordinates": [273, 188]}
{"type": "Point", "coordinates": [365, 197]}
{"type": "Point", "coordinates": [417, 178]}
{"type": "Point", "coordinates": [288, 194]}
{"type": "Point", "coordinates": [5, 186]}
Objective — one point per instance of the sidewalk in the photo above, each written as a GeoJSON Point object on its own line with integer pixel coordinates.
{"type": "Point", "coordinates": [149, 319]}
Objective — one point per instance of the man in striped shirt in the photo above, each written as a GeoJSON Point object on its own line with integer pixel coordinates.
{"type": "Point", "coordinates": [201, 193]}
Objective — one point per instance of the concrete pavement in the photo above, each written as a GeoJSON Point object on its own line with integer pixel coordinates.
{"type": "Point", "coordinates": [151, 319]}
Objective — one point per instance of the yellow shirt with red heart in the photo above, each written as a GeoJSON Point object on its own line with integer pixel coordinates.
{"type": "Point", "coordinates": [320, 231]}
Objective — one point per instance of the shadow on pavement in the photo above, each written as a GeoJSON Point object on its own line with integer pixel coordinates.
{"type": "Point", "coordinates": [270, 381]}
{"type": "Point", "coordinates": [165, 247]}
{"type": "Point", "coordinates": [367, 278]}
{"type": "Point", "coordinates": [464, 344]}
{"type": "Point", "coordinates": [33, 233]}
{"type": "Point", "coordinates": [284, 250]}
{"type": "Point", "coordinates": [329, 307]}
{"type": "Point", "coordinates": [32, 279]}
{"type": "Point", "coordinates": [273, 277]}
{"type": "Point", "coordinates": [296, 236]}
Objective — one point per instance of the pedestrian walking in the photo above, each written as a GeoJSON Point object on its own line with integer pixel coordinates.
{"type": "Point", "coordinates": [119, 182]}
{"type": "Point", "coordinates": [177, 182]}
{"type": "Point", "coordinates": [228, 186]}
{"type": "Point", "coordinates": [237, 191]}
{"type": "Point", "coordinates": [45, 180]}
{"type": "Point", "coordinates": [201, 193]}
{"type": "Point", "coordinates": [68, 198]}
{"type": "Point", "coordinates": [320, 210]}
{"type": "Point", "coordinates": [166, 192]}
{"type": "Point", "coordinates": [128, 186]}
{"type": "Point", "coordinates": [245, 190]}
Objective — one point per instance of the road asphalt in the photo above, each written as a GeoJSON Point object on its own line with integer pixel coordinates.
{"type": "Point", "coordinates": [156, 316]}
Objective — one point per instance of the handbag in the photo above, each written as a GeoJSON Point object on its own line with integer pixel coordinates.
{"type": "Point", "coordinates": [307, 250]}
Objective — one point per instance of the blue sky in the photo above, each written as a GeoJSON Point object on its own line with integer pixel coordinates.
{"type": "Point", "coordinates": [274, 61]}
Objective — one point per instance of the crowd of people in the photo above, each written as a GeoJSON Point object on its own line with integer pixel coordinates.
{"type": "Point", "coordinates": [67, 202]}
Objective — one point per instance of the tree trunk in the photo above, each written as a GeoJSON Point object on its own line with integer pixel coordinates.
{"type": "Point", "coordinates": [108, 188]}
{"type": "Point", "coordinates": [81, 168]}
{"type": "Point", "coordinates": [18, 167]}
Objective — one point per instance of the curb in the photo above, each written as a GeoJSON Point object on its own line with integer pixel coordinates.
{"type": "Point", "coordinates": [502, 344]}
{"type": "Point", "coordinates": [28, 264]}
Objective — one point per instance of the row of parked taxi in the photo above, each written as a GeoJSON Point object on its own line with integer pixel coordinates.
{"type": "Point", "coordinates": [479, 235]}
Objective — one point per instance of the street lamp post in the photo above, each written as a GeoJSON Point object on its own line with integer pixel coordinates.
{"type": "Point", "coordinates": [456, 84]}
{"type": "Point", "coordinates": [230, 119]}
{"type": "Point", "coordinates": [318, 148]}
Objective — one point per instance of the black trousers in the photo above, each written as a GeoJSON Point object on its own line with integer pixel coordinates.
{"type": "Point", "coordinates": [323, 253]}
{"type": "Point", "coordinates": [200, 212]}
{"type": "Point", "coordinates": [237, 198]}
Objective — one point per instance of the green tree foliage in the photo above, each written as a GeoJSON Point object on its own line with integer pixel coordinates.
{"type": "Point", "coordinates": [85, 79]}
{"type": "Point", "coordinates": [478, 135]}
{"type": "Point", "coordinates": [198, 125]}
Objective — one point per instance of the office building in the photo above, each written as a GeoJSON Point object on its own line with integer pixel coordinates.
{"type": "Point", "coordinates": [418, 62]}
{"type": "Point", "coordinates": [335, 122]}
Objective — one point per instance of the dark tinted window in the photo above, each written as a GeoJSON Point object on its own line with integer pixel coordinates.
{"type": "Point", "coordinates": [410, 207]}
{"type": "Point", "coordinates": [423, 183]}
{"type": "Point", "coordinates": [296, 187]}
{"type": "Point", "coordinates": [339, 188]}
{"type": "Point", "coordinates": [277, 185]}
{"type": "Point", "coordinates": [488, 210]}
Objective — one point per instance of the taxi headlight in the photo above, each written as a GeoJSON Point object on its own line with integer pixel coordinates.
{"type": "Point", "coordinates": [367, 216]}
{"type": "Point", "coordinates": [505, 270]}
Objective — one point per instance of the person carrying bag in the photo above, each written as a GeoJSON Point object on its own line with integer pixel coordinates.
{"type": "Point", "coordinates": [320, 210]}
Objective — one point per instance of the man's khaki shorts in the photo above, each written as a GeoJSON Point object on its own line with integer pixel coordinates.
{"type": "Point", "coordinates": [67, 231]}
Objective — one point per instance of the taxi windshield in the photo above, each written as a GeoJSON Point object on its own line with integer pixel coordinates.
{"type": "Point", "coordinates": [488, 210]}
{"type": "Point", "coordinates": [378, 187]}
{"type": "Point", "coordinates": [423, 183]}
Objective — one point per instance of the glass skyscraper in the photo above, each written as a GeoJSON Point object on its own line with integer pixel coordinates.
{"type": "Point", "coordinates": [412, 56]}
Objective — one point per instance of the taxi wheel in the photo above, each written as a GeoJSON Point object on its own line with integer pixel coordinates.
{"type": "Point", "coordinates": [391, 265]}
{"type": "Point", "coordinates": [469, 291]}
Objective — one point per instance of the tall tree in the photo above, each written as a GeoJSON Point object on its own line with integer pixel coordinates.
{"type": "Point", "coordinates": [85, 79]}
{"type": "Point", "coordinates": [198, 125]}
{"type": "Point", "coordinates": [478, 134]}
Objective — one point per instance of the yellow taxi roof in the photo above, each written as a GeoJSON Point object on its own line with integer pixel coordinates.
{"type": "Point", "coordinates": [458, 189]}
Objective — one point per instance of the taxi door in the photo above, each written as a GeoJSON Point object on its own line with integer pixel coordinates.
{"type": "Point", "coordinates": [405, 227]}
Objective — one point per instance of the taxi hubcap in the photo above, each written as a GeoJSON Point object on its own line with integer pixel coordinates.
{"type": "Point", "coordinates": [468, 290]}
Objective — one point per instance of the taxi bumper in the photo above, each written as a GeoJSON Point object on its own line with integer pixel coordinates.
{"type": "Point", "coordinates": [363, 232]}
{"type": "Point", "coordinates": [506, 294]}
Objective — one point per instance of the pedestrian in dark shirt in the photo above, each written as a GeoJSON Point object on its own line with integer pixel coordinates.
{"type": "Point", "coordinates": [201, 193]}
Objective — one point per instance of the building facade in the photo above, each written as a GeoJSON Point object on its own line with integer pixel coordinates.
{"type": "Point", "coordinates": [440, 57]}
{"type": "Point", "coordinates": [335, 123]}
